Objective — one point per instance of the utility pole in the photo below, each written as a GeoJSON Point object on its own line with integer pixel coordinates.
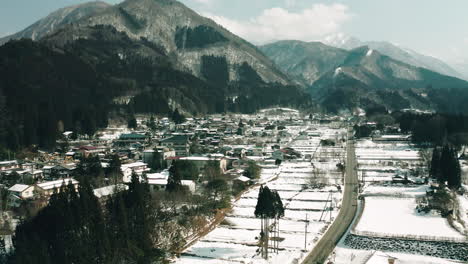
{"type": "Point", "coordinates": [305, 233]}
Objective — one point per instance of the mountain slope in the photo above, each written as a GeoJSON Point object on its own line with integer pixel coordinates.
{"type": "Point", "coordinates": [304, 61]}
{"type": "Point", "coordinates": [367, 77]}
{"type": "Point", "coordinates": [58, 19]}
{"type": "Point", "coordinates": [402, 54]}
{"type": "Point", "coordinates": [186, 35]}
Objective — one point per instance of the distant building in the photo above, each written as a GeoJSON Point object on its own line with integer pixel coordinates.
{"type": "Point", "coordinates": [104, 193]}
{"type": "Point", "coordinates": [201, 162]}
{"type": "Point", "coordinates": [180, 144]}
{"type": "Point", "coordinates": [138, 167]}
{"type": "Point", "coordinates": [133, 138]}
{"type": "Point", "coordinates": [9, 165]}
{"type": "Point", "coordinates": [22, 191]}
{"type": "Point", "coordinates": [47, 188]}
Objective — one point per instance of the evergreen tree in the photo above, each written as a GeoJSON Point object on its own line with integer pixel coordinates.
{"type": "Point", "coordinates": [435, 169]}
{"type": "Point", "coordinates": [132, 122]}
{"type": "Point", "coordinates": [174, 181]}
{"type": "Point", "coordinates": [114, 171]}
{"type": "Point", "coordinates": [177, 117]}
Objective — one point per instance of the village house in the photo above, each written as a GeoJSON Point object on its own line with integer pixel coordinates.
{"type": "Point", "coordinates": [9, 165]}
{"type": "Point", "coordinates": [46, 189]}
{"type": "Point", "coordinates": [18, 193]}
{"type": "Point", "coordinates": [86, 151]}
{"type": "Point", "coordinates": [165, 154]}
{"type": "Point", "coordinates": [138, 167]}
{"type": "Point", "coordinates": [201, 162]}
{"type": "Point", "coordinates": [158, 181]}
{"type": "Point", "coordinates": [104, 193]}
{"type": "Point", "coordinates": [22, 191]}
{"type": "Point", "coordinates": [180, 144]}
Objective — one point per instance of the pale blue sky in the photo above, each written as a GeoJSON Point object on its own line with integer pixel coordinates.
{"type": "Point", "coordinates": [433, 27]}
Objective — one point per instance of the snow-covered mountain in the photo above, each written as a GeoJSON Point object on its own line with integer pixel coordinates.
{"type": "Point", "coordinates": [304, 61]}
{"type": "Point", "coordinates": [57, 19]}
{"type": "Point", "coordinates": [186, 35]}
{"type": "Point", "coordinates": [405, 55]}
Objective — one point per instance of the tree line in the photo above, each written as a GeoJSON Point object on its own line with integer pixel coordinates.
{"type": "Point", "coordinates": [75, 228]}
{"type": "Point", "coordinates": [445, 167]}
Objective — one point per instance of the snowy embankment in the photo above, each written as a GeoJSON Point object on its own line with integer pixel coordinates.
{"type": "Point", "coordinates": [236, 239]}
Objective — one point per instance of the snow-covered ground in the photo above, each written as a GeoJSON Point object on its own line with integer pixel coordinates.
{"type": "Point", "coordinates": [345, 255]}
{"type": "Point", "coordinates": [389, 211]}
{"type": "Point", "coordinates": [235, 240]}
{"type": "Point", "coordinates": [385, 216]}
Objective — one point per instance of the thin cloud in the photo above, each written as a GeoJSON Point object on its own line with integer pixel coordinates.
{"type": "Point", "coordinates": [204, 2]}
{"type": "Point", "coordinates": [278, 23]}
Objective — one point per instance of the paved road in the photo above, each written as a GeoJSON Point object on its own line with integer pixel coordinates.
{"type": "Point", "coordinates": [348, 209]}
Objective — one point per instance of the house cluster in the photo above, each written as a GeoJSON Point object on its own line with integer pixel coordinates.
{"type": "Point", "coordinates": [232, 142]}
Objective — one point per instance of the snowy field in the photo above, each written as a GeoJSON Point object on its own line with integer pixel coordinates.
{"type": "Point", "coordinates": [345, 255]}
{"type": "Point", "coordinates": [398, 217]}
{"type": "Point", "coordinates": [380, 161]}
{"type": "Point", "coordinates": [390, 209]}
{"type": "Point", "coordinates": [235, 240]}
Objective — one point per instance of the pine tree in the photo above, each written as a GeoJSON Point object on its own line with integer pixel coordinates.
{"type": "Point", "coordinates": [454, 171]}
{"type": "Point", "coordinates": [174, 181]}
{"type": "Point", "coordinates": [435, 169]}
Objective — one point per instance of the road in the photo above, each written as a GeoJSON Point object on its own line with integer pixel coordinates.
{"type": "Point", "coordinates": [348, 209]}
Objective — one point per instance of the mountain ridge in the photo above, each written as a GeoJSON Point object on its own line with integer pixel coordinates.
{"type": "Point", "coordinates": [57, 19]}
{"type": "Point", "coordinates": [397, 52]}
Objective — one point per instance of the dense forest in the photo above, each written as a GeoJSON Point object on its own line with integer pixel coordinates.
{"type": "Point", "coordinates": [437, 129]}
{"type": "Point", "coordinates": [75, 228]}
{"type": "Point", "coordinates": [62, 83]}
{"type": "Point", "coordinates": [198, 37]}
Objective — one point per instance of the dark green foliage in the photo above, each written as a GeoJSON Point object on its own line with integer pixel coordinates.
{"type": "Point", "coordinates": [198, 37]}
{"type": "Point", "coordinates": [157, 163]}
{"type": "Point", "coordinates": [185, 170]}
{"type": "Point", "coordinates": [362, 131]}
{"type": "Point", "coordinates": [445, 166]}
{"type": "Point", "coordinates": [71, 229]}
{"type": "Point", "coordinates": [75, 81]}
{"type": "Point", "coordinates": [434, 128]}
{"type": "Point", "coordinates": [132, 21]}
{"type": "Point", "coordinates": [114, 171]}
{"type": "Point", "coordinates": [89, 169]}
{"type": "Point", "coordinates": [250, 97]}
{"type": "Point", "coordinates": [177, 117]}
{"type": "Point", "coordinates": [151, 124]}
{"type": "Point", "coordinates": [248, 75]}
{"type": "Point", "coordinates": [269, 206]}
{"type": "Point", "coordinates": [174, 181]}
{"type": "Point", "coordinates": [253, 170]}
{"type": "Point", "coordinates": [132, 123]}
{"type": "Point", "coordinates": [43, 87]}
{"type": "Point", "coordinates": [217, 188]}
{"type": "Point", "coordinates": [215, 70]}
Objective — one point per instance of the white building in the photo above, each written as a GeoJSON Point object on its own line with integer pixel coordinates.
{"type": "Point", "coordinates": [22, 191]}
{"type": "Point", "coordinates": [128, 169]}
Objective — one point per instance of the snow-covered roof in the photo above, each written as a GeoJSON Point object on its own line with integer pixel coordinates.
{"type": "Point", "coordinates": [134, 164]}
{"type": "Point", "coordinates": [243, 178]}
{"type": "Point", "coordinates": [8, 162]}
{"type": "Point", "coordinates": [109, 190]}
{"type": "Point", "coordinates": [18, 188]}
{"type": "Point", "coordinates": [56, 184]}
{"type": "Point", "coordinates": [162, 175]}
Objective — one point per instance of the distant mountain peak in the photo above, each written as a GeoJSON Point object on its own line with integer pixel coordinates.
{"type": "Point", "coordinates": [58, 19]}
{"type": "Point", "coordinates": [396, 51]}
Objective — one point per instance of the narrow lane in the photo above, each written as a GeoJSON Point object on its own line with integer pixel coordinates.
{"type": "Point", "coordinates": [348, 209]}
